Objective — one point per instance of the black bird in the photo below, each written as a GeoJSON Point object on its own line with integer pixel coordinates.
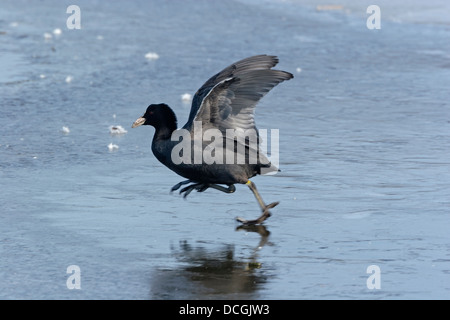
{"type": "Point", "coordinates": [225, 102]}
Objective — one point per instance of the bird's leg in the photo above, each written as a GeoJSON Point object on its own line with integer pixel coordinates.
{"type": "Point", "coordinates": [231, 188]}
{"type": "Point", "coordinates": [265, 208]}
{"type": "Point", "coordinates": [178, 185]}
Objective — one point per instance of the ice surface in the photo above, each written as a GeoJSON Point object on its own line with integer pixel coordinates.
{"type": "Point", "coordinates": [112, 146]}
{"type": "Point", "coordinates": [69, 79]}
{"type": "Point", "coordinates": [65, 130]}
{"type": "Point", "coordinates": [186, 97]}
{"type": "Point", "coordinates": [117, 130]}
{"type": "Point", "coordinates": [152, 56]}
{"type": "Point", "coordinates": [364, 153]}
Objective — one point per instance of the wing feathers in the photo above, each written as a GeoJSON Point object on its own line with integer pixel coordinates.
{"type": "Point", "coordinates": [231, 103]}
{"type": "Point", "coordinates": [259, 62]}
{"type": "Point", "coordinates": [228, 99]}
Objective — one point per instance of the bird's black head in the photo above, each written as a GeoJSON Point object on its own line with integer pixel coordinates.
{"type": "Point", "coordinates": [159, 116]}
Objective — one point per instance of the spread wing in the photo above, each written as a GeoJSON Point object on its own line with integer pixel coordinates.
{"type": "Point", "coordinates": [228, 99]}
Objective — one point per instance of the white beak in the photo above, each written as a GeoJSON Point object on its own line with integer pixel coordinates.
{"type": "Point", "coordinates": [138, 122]}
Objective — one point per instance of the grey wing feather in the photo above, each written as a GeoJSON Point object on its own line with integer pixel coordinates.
{"type": "Point", "coordinates": [259, 62]}
{"type": "Point", "coordinates": [231, 103]}
{"type": "Point", "coordinates": [228, 101]}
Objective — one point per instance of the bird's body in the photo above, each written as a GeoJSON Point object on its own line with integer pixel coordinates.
{"type": "Point", "coordinates": [212, 173]}
{"type": "Point", "coordinates": [217, 172]}
{"type": "Point", "coordinates": [223, 108]}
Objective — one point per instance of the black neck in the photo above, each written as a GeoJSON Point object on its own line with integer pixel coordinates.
{"type": "Point", "coordinates": [164, 131]}
{"type": "Point", "coordinates": [165, 124]}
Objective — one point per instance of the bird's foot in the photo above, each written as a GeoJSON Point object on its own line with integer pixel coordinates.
{"type": "Point", "coordinates": [178, 185]}
{"type": "Point", "coordinates": [265, 215]}
{"type": "Point", "coordinates": [200, 187]}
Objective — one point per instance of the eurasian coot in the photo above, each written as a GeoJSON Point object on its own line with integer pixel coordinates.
{"type": "Point", "coordinates": [219, 144]}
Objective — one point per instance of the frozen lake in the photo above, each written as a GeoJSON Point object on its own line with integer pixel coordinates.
{"type": "Point", "coordinates": [364, 152]}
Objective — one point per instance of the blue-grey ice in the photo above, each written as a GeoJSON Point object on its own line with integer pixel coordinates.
{"type": "Point", "coordinates": [364, 134]}
{"type": "Point", "coordinates": [117, 130]}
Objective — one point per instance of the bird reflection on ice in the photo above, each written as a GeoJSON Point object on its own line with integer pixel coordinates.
{"type": "Point", "coordinates": [211, 273]}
